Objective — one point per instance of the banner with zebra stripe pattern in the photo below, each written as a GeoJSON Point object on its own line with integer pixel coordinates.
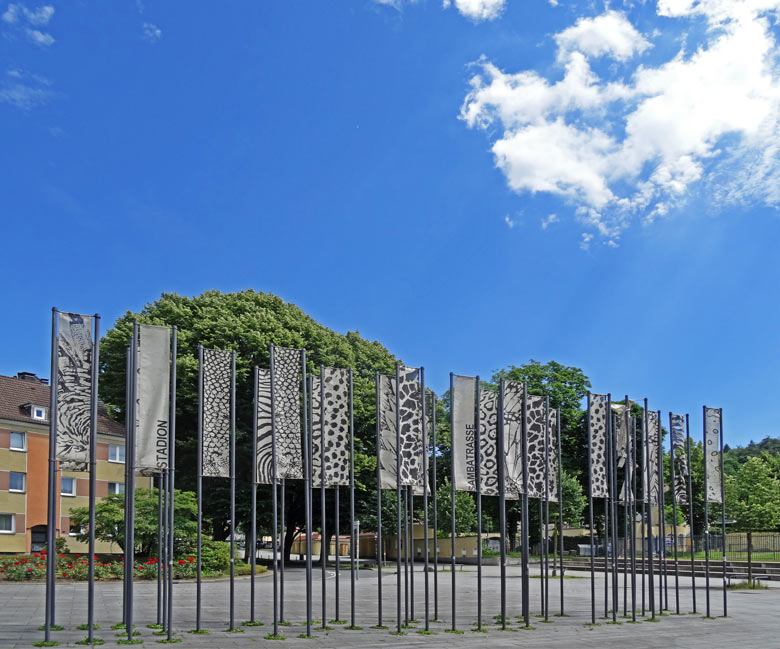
{"type": "Point", "coordinates": [680, 458]}
{"type": "Point", "coordinates": [264, 470]}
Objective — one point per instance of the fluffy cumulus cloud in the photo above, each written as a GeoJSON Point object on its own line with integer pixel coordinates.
{"type": "Point", "coordinates": [636, 139]}
{"type": "Point", "coordinates": [477, 10]}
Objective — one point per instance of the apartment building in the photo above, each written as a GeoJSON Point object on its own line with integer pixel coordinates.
{"type": "Point", "coordinates": [24, 459]}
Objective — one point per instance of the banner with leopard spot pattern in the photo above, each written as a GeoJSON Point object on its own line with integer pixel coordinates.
{"type": "Point", "coordinates": [552, 455]}
{"type": "Point", "coordinates": [286, 381]}
{"type": "Point", "coordinates": [712, 433]}
{"type": "Point", "coordinates": [335, 409]}
{"type": "Point", "coordinates": [74, 388]}
{"type": "Point", "coordinates": [536, 439]}
{"type": "Point", "coordinates": [597, 444]}
{"type": "Point", "coordinates": [217, 382]}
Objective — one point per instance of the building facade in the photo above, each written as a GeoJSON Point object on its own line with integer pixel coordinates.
{"type": "Point", "coordinates": [24, 460]}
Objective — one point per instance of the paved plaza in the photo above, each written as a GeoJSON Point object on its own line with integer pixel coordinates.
{"type": "Point", "coordinates": [753, 615]}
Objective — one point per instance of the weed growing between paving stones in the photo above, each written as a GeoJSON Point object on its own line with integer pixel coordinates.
{"type": "Point", "coordinates": [353, 628]}
{"type": "Point", "coordinates": [44, 643]}
{"type": "Point", "coordinates": [307, 637]}
{"type": "Point", "coordinates": [457, 631]}
{"type": "Point", "coordinates": [118, 625]}
{"type": "Point", "coordinates": [615, 622]}
{"type": "Point", "coordinates": [274, 636]}
{"type": "Point", "coordinates": [407, 626]}
{"type": "Point", "coordinates": [237, 629]}
{"type": "Point", "coordinates": [397, 633]}
{"type": "Point", "coordinates": [85, 627]}
{"type": "Point", "coordinates": [424, 632]}
{"type": "Point", "coordinates": [94, 641]}
{"type": "Point", "coordinates": [745, 585]}
{"type": "Point", "coordinates": [171, 641]}
{"type": "Point", "coordinates": [654, 619]}
{"type": "Point", "coordinates": [381, 627]}
{"type": "Point", "coordinates": [53, 627]}
{"type": "Point", "coordinates": [528, 628]}
{"type": "Point", "coordinates": [199, 631]}
{"type": "Point", "coordinates": [285, 623]}
{"type": "Point", "coordinates": [129, 641]}
{"type": "Point", "coordinates": [154, 626]}
{"type": "Point", "coordinates": [337, 621]}
{"type": "Point", "coordinates": [119, 635]}
{"type": "Point", "coordinates": [593, 624]}
{"type": "Point", "coordinates": [250, 623]}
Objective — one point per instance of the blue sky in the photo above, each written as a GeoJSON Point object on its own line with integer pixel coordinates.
{"type": "Point", "coordinates": [474, 183]}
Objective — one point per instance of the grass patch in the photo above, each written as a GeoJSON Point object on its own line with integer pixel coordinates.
{"type": "Point", "coordinates": [236, 629]}
{"type": "Point", "coordinates": [250, 623]}
{"type": "Point", "coordinates": [117, 626]}
{"type": "Point", "coordinates": [397, 632]}
{"type": "Point", "coordinates": [456, 631]}
{"type": "Point", "coordinates": [381, 627]}
{"type": "Point", "coordinates": [353, 628]}
{"type": "Point", "coordinates": [654, 619]}
{"type": "Point", "coordinates": [285, 623]}
{"type": "Point", "coordinates": [95, 641]}
{"type": "Point", "coordinates": [85, 627]}
{"type": "Point", "coordinates": [527, 627]}
{"type": "Point", "coordinates": [129, 641]}
{"type": "Point", "coordinates": [274, 636]}
{"type": "Point", "coordinates": [53, 627]}
{"type": "Point", "coordinates": [337, 621]}
{"type": "Point", "coordinates": [154, 626]}
{"type": "Point", "coordinates": [407, 626]}
{"type": "Point", "coordinates": [615, 622]}
{"type": "Point", "coordinates": [705, 617]}
{"type": "Point", "coordinates": [325, 627]}
{"type": "Point", "coordinates": [424, 632]}
{"type": "Point", "coordinates": [199, 631]}
{"type": "Point", "coordinates": [593, 624]}
{"type": "Point", "coordinates": [44, 643]}
{"type": "Point", "coordinates": [746, 585]}
{"type": "Point", "coordinates": [547, 621]}
{"type": "Point", "coordinates": [479, 630]}
{"type": "Point", "coordinates": [306, 637]}
{"type": "Point", "coordinates": [171, 641]}
{"type": "Point", "coordinates": [119, 635]}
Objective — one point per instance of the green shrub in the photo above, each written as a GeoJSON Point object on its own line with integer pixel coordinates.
{"type": "Point", "coordinates": [215, 556]}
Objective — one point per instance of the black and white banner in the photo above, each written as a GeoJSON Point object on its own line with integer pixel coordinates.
{"type": "Point", "coordinates": [386, 409]}
{"type": "Point", "coordinates": [488, 447]}
{"type": "Point", "coordinates": [463, 432]}
{"type": "Point", "coordinates": [552, 455]}
{"type": "Point", "coordinates": [74, 387]}
{"type": "Point", "coordinates": [217, 384]}
{"type": "Point", "coordinates": [650, 463]}
{"type": "Point", "coordinates": [264, 469]}
{"type": "Point", "coordinates": [537, 440]}
{"type": "Point", "coordinates": [712, 433]}
{"type": "Point", "coordinates": [513, 439]}
{"type": "Point", "coordinates": [287, 375]}
{"type": "Point", "coordinates": [680, 457]}
{"type": "Point", "coordinates": [335, 408]}
{"type": "Point", "coordinates": [597, 416]}
{"type": "Point", "coordinates": [153, 400]}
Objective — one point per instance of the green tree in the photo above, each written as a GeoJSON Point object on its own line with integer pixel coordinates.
{"type": "Point", "coordinates": [465, 511]}
{"type": "Point", "coordinates": [753, 501]}
{"type": "Point", "coordinates": [248, 322]}
{"type": "Point", "coordinates": [110, 521]}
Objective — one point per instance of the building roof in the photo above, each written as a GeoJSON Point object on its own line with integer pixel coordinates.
{"type": "Point", "coordinates": [15, 393]}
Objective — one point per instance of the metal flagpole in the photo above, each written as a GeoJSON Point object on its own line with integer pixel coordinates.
{"type": "Point", "coordinates": [613, 507]}
{"type": "Point", "coordinates": [541, 557]}
{"type": "Point", "coordinates": [307, 449]}
{"type": "Point", "coordinates": [706, 517]}
{"type": "Point", "coordinates": [674, 517]}
{"type": "Point", "coordinates": [253, 513]}
{"type": "Point", "coordinates": [723, 514]}
{"type": "Point", "coordinates": [232, 490]}
{"type": "Point", "coordinates": [125, 505]}
{"type": "Point", "coordinates": [651, 576]}
{"type": "Point", "coordinates": [379, 556]}
{"type": "Point", "coordinates": [501, 466]}
{"type": "Point", "coordinates": [92, 479]}
{"type": "Point", "coordinates": [163, 556]}
{"type": "Point", "coordinates": [159, 545]}
{"type": "Point", "coordinates": [274, 480]}
{"type": "Point", "coordinates": [452, 502]}
{"type": "Point", "coordinates": [626, 516]}
{"type": "Point", "coordinates": [171, 475]}
{"type": "Point", "coordinates": [282, 543]}
{"type": "Point", "coordinates": [560, 504]}
{"type": "Point", "coordinates": [525, 530]}
{"type": "Point", "coordinates": [663, 594]}
{"type": "Point", "coordinates": [398, 505]}
{"type": "Point", "coordinates": [337, 524]}
{"type": "Point", "coordinates": [355, 539]}
{"type": "Point", "coordinates": [590, 521]}
{"type": "Point", "coordinates": [406, 554]}
{"type": "Point", "coordinates": [425, 497]}
{"type": "Point", "coordinates": [130, 486]}
{"type": "Point", "coordinates": [324, 539]}
{"type": "Point", "coordinates": [690, 509]}
{"type": "Point", "coordinates": [51, 510]}
{"type": "Point", "coordinates": [631, 490]}
{"type": "Point", "coordinates": [546, 508]}
{"type": "Point", "coordinates": [434, 507]}
{"type": "Point", "coordinates": [478, 462]}
{"type": "Point", "coordinates": [643, 527]}
{"type": "Point", "coordinates": [199, 489]}
{"type": "Point", "coordinates": [607, 517]}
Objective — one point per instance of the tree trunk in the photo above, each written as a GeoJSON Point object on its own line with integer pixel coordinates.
{"type": "Point", "coordinates": [750, 557]}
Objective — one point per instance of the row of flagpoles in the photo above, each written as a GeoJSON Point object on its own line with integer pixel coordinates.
{"type": "Point", "coordinates": [505, 444]}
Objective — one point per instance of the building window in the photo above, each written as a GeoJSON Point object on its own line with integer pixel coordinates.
{"type": "Point", "coordinates": [17, 481]}
{"type": "Point", "coordinates": [7, 523]}
{"type": "Point", "coordinates": [68, 487]}
{"type": "Point", "coordinates": [116, 453]}
{"type": "Point", "coordinates": [75, 530]}
{"type": "Point", "coordinates": [18, 441]}
{"type": "Point", "coordinates": [116, 488]}
{"type": "Point", "coordinates": [38, 412]}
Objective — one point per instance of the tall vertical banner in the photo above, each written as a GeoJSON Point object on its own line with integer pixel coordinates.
{"type": "Point", "coordinates": [464, 468]}
{"type": "Point", "coordinates": [680, 486]}
{"type": "Point", "coordinates": [74, 387]}
{"type": "Point", "coordinates": [597, 415]}
{"type": "Point", "coordinates": [535, 417]}
{"type": "Point", "coordinates": [264, 470]}
{"type": "Point", "coordinates": [513, 439]}
{"type": "Point", "coordinates": [712, 432]}
{"type": "Point", "coordinates": [650, 462]}
{"type": "Point", "coordinates": [217, 380]}
{"type": "Point", "coordinates": [386, 409]}
{"type": "Point", "coordinates": [552, 454]}
{"type": "Point", "coordinates": [288, 372]}
{"type": "Point", "coordinates": [488, 442]}
{"type": "Point", "coordinates": [335, 428]}
{"type": "Point", "coordinates": [153, 399]}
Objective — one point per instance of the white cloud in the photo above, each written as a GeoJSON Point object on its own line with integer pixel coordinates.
{"type": "Point", "coordinates": [11, 14]}
{"type": "Point", "coordinates": [25, 91]}
{"type": "Point", "coordinates": [151, 32]}
{"type": "Point", "coordinates": [510, 222]}
{"type": "Point", "coordinates": [585, 241]}
{"type": "Point", "coordinates": [624, 145]}
{"type": "Point", "coordinates": [38, 37]}
{"type": "Point", "coordinates": [548, 220]}
{"type": "Point", "coordinates": [19, 15]}
{"type": "Point", "coordinates": [607, 34]}
{"type": "Point", "coordinates": [477, 10]}
{"type": "Point", "coordinates": [39, 16]}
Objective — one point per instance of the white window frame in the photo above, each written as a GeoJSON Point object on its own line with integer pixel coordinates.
{"type": "Point", "coordinates": [24, 441]}
{"type": "Point", "coordinates": [116, 491]}
{"type": "Point", "coordinates": [62, 486]}
{"type": "Point", "coordinates": [119, 449]}
{"type": "Point", "coordinates": [13, 523]}
{"type": "Point", "coordinates": [24, 482]}
{"type": "Point", "coordinates": [43, 409]}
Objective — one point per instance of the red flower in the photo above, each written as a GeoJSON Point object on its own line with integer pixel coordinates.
{"type": "Point", "coordinates": [62, 555]}
{"type": "Point", "coordinates": [78, 556]}
{"type": "Point", "coordinates": [182, 562]}
{"type": "Point", "coordinates": [192, 559]}
{"type": "Point", "coordinates": [36, 555]}
{"type": "Point", "coordinates": [70, 565]}
{"type": "Point", "coordinates": [64, 575]}
{"type": "Point", "coordinates": [29, 569]}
